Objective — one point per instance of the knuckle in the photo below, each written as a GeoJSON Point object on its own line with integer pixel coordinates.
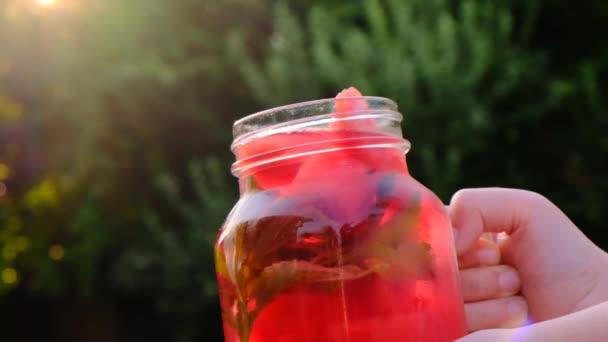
{"type": "Point", "coordinates": [536, 197]}
{"type": "Point", "coordinates": [479, 283]}
{"type": "Point", "coordinates": [461, 195]}
{"type": "Point", "coordinates": [530, 197]}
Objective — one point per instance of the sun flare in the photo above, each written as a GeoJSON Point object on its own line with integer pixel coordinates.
{"type": "Point", "coordinates": [46, 3]}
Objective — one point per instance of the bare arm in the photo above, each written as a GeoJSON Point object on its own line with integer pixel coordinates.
{"type": "Point", "coordinates": [590, 324]}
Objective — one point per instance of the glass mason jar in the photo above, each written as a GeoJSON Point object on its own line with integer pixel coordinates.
{"type": "Point", "coordinates": [332, 239]}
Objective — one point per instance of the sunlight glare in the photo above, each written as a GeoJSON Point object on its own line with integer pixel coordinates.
{"type": "Point", "coordinates": [46, 3]}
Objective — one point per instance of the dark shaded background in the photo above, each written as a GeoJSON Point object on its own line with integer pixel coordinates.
{"type": "Point", "coordinates": [115, 122]}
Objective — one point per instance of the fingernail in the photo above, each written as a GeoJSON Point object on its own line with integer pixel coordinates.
{"type": "Point", "coordinates": [508, 281]}
{"type": "Point", "coordinates": [516, 306]}
{"type": "Point", "coordinates": [488, 256]}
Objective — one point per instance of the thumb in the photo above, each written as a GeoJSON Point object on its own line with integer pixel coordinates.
{"type": "Point", "coordinates": [553, 257]}
{"type": "Point", "coordinates": [490, 210]}
{"type": "Point", "coordinates": [497, 210]}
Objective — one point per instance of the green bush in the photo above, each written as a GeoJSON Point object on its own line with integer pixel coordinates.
{"type": "Point", "coordinates": [454, 71]}
{"type": "Point", "coordinates": [485, 102]}
{"type": "Point", "coordinates": [115, 125]}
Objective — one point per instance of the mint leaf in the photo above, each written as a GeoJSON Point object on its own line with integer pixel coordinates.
{"type": "Point", "coordinates": [251, 184]}
{"type": "Point", "coordinates": [279, 276]}
{"type": "Point", "coordinates": [393, 251]}
{"type": "Point", "coordinates": [271, 255]}
{"type": "Point", "coordinates": [411, 257]}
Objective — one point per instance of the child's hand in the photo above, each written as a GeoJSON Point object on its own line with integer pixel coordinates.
{"type": "Point", "coordinates": [561, 270]}
{"type": "Point", "coordinates": [489, 288]}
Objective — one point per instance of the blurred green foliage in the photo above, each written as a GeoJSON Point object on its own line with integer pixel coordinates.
{"type": "Point", "coordinates": [115, 122]}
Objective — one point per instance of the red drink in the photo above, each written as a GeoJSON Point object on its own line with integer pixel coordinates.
{"type": "Point", "coordinates": [333, 240]}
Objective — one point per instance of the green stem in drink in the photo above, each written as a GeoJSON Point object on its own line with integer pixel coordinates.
{"type": "Point", "coordinates": [255, 268]}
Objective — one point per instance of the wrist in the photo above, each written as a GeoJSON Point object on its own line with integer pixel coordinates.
{"type": "Point", "coordinates": [599, 294]}
{"type": "Point", "coordinates": [595, 279]}
{"type": "Point", "coordinates": [603, 282]}
{"type": "Point", "coordinates": [586, 325]}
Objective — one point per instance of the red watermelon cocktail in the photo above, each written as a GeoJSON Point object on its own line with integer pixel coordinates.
{"type": "Point", "coordinates": [332, 239]}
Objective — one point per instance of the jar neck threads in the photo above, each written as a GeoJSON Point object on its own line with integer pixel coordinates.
{"type": "Point", "coordinates": [302, 129]}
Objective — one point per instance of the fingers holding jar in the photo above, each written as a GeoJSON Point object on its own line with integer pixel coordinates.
{"type": "Point", "coordinates": [484, 253]}
{"type": "Point", "coordinates": [490, 289]}
{"type": "Point", "coordinates": [509, 312]}
{"type": "Point", "coordinates": [490, 282]}
{"type": "Point", "coordinates": [491, 300]}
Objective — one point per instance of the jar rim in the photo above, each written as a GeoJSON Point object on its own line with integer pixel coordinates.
{"type": "Point", "coordinates": [240, 129]}
{"type": "Point", "coordinates": [318, 116]}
